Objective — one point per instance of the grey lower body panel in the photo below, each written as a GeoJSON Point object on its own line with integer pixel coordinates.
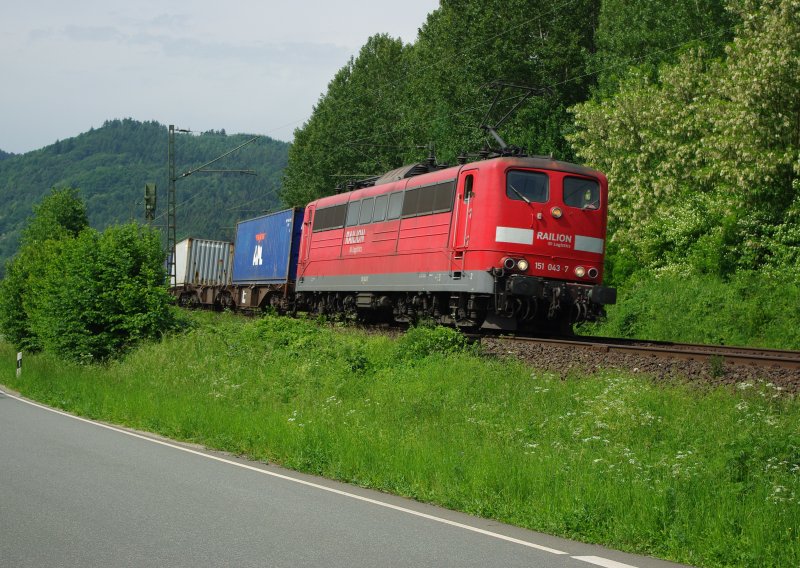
{"type": "Point", "coordinates": [475, 282]}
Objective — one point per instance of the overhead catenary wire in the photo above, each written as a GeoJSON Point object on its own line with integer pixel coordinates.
{"type": "Point", "coordinates": [196, 194]}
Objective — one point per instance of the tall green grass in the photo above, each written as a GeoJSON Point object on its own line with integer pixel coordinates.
{"type": "Point", "coordinates": [707, 477]}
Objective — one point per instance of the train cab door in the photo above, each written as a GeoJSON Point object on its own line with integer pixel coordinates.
{"type": "Point", "coordinates": [305, 243]}
{"type": "Point", "coordinates": [462, 219]}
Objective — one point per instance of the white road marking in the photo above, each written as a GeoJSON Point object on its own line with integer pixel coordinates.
{"type": "Point", "coordinates": [605, 562]}
{"type": "Point", "coordinates": [295, 480]}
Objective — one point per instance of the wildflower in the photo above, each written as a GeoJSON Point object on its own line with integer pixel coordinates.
{"type": "Point", "coordinates": [781, 494]}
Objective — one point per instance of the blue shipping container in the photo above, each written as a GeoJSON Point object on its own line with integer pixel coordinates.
{"type": "Point", "coordinates": [266, 248]}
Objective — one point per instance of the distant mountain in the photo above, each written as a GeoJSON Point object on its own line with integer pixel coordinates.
{"type": "Point", "coordinates": [110, 165]}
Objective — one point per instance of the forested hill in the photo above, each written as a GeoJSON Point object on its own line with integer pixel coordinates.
{"type": "Point", "coordinates": [110, 165]}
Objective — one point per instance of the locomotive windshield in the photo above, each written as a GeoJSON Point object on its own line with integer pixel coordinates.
{"type": "Point", "coordinates": [581, 192]}
{"type": "Point", "coordinates": [531, 187]}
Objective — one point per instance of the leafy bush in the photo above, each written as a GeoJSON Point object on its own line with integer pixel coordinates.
{"type": "Point", "coordinates": [424, 341]}
{"type": "Point", "coordinates": [60, 215]}
{"type": "Point", "coordinates": [99, 294]}
{"type": "Point", "coordinates": [14, 321]}
{"type": "Point", "coordinates": [80, 294]}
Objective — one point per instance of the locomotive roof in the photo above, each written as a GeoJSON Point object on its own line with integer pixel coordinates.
{"type": "Point", "coordinates": [544, 163]}
{"type": "Point", "coordinates": [408, 171]}
{"type": "Point", "coordinates": [428, 175]}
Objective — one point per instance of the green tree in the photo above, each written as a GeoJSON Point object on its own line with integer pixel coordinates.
{"type": "Point", "coordinates": [100, 294]}
{"type": "Point", "coordinates": [467, 45]}
{"type": "Point", "coordinates": [755, 142]}
{"type": "Point", "coordinates": [704, 163]}
{"type": "Point", "coordinates": [643, 34]}
{"type": "Point", "coordinates": [60, 215]}
{"type": "Point", "coordinates": [81, 294]}
{"type": "Point", "coordinates": [14, 323]}
{"type": "Point", "coordinates": [352, 132]}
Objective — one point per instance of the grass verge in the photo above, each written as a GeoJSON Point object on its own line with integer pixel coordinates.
{"type": "Point", "coordinates": [751, 309]}
{"type": "Point", "coordinates": [710, 478]}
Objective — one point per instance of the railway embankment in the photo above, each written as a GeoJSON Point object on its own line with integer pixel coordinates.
{"type": "Point", "coordinates": [708, 476]}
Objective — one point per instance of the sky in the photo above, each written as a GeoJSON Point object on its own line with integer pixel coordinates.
{"type": "Point", "coordinates": [245, 66]}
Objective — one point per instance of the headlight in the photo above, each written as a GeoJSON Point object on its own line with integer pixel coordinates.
{"type": "Point", "coordinates": [522, 264]}
{"type": "Point", "coordinates": [556, 212]}
{"type": "Point", "coordinates": [509, 263]}
{"type": "Point", "coordinates": [580, 271]}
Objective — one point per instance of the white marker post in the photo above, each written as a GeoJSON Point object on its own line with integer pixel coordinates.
{"type": "Point", "coordinates": [19, 363]}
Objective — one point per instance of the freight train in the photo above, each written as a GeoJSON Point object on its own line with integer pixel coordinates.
{"type": "Point", "coordinates": [509, 243]}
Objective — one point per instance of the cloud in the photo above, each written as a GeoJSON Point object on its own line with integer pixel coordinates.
{"type": "Point", "coordinates": [92, 33]}
{"type": "Point", "coordinates": [276, 54]}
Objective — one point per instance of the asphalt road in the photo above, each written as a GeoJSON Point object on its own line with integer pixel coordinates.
{"type": "Point", "coordinates": [79, 493]}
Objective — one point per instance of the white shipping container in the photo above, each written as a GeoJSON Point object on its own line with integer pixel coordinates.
{"type": "Point", "coordinates": [201, 262]}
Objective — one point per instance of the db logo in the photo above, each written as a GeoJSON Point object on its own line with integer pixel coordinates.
{"type": "Point", "coordinates": [258, 259]}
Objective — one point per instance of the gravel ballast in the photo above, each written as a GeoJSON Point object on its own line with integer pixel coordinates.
{"type": "Point", "coordinates": [566, 361]}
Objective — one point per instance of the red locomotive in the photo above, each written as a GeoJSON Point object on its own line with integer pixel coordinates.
{"type": "Point", "coordinates": [505, 243]}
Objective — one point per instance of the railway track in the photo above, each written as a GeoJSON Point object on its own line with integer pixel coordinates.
{"type": "Point", "coordinates": [683, 351]}
{"type": "Point", "coordinates": [707, 364]}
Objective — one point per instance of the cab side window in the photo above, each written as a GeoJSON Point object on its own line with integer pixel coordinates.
{"type": "Point", "coordinates": [469, 182]}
